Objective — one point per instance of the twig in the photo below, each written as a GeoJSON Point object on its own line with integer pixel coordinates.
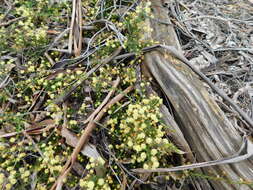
{"type": "Point", "coordinates": [86, 53]}
{"type": "Point", "coordinates": [241, 91]}
{"type": "Point", "coordinates": [49, 58]}
{"type": "Point", "coordinates": [77, 32]}
{"type": "Point", "coordinates": [72, 26]}
{"type": "Point", "coordinates": [216, 18]}
{"type": "Point", "coordinates": [60, 50]}
{"type": "Point", "coordinates": [5, 82]}
{"type": "Point", "coordinates": [7, 12]}
{"type": "Point", "coordinates": [245, 152]}
{"type": "Point", "coordinates": [36, 129]}
{"type": "Point", "coordinates": [35, 145]}
{"type": "Point", "coordinates": [105, 61]}
{"type": "Point", "coordinates": [62, 34]}
{"type": "Point", "coordinates": [66, 169]}
{"type": "Point", "coordinates": [11, 21]}
{"type": "Point", "coordinates": [234, 49]}
{"type": "Point", "coordinates": [104, 102]}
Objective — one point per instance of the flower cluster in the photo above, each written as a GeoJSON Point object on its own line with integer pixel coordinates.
{"type": "Point", "coordinates": [25, 32]}
{"type": "Point", "coordinates": [142, 133]}
{"type": "Point", "coordinates": [50, 163]}
{"type": "Point", "coordinates": [11, 164]}
{"type": "Point", "coordinates": [137, 27]}
{"type": "Point", "coordinates": [102, 80]}
{"type": "Point", "coordinates": [93, 181]}
{"type": "Point", "coordinates": [34, 88]}
{"type": "Point", "coordinates": [19, 161]}
{"type": "Point", "coordinates": [30, 30]}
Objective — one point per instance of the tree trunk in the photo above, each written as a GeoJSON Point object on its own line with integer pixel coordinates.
{"type": "Point", "coordinates": [200, 124]}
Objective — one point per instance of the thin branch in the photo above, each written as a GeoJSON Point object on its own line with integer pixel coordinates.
{"type": "Point", "coordinates": [216, 18]}
{"type": "Point", "coordinates": [103, 103]}
{"type": "Point", "coordinates": [104, 61]}
{"type": "Point", "coordinates": [241, 155]}
{"type": "Point", "coordinates": [11, 21]}
{"type": "Point", "coordinates": [84, 138]}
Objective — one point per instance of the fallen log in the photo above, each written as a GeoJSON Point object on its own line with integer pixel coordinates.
{"type": "Point", "coordinates": [203, 124]}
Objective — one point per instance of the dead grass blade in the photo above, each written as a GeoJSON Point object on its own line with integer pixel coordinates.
{"type": "Point", "coordinates": [72, 140]}
{"type": "Point", "coordinates": [34, 129]}
{"type": "Point", "coordinates": [75, 35]}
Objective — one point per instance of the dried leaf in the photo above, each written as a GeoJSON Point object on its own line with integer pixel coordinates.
{"type": "Point", "coordinates": [72, 140]}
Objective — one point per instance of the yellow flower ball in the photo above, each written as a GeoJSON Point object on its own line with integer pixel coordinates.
{"type": "Point", "coordinates": [13, 181]}
{"type": "Point", "coordinates": [149, 140]}
{"type": "Point", "coordinates": [12, 139]}
{"type": "Point", "coordinates": [82, 183]}
{"type": "Point", "coordinates": [90, 185]}
{"type": "Point", "coordinates": [101, 181]}
{"type": "Point", "coordinates": [155, 164]}
{"type": "Point", "coordinates": [145, 166]}
{"type": "Point", "coordinates": [130, 143]}
{"type": "Point", "coordinates": [8, 186]}
{"type": "Point", "coordinates": [143, 155]}
{"type": "Point", "coordinates": [154, 152]}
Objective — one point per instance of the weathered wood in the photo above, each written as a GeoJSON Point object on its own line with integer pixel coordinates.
{"type": "Point", "coordinates": [174, 131]}
{"type": "Point", "coordinates": [205, 127]}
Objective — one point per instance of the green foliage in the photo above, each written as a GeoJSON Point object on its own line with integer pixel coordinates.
{"type": "Point", "coordinates": [30, 31]}
{"type": "Point", "coordinates": [134, 127]}
{"type": "Point", "coordinates": [135, 25]}
{"type": "Point", "coordinates": [142, 135]}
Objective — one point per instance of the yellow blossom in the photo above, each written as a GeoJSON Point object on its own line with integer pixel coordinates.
{"type": "Point", "coordinates": [27, 173]}
{"type": "Point", "coordinates": [12, 139]}
{"type": "Point", "coordinates": [82, 183]}
{"type": "Point", "coordinates": [90, 185]}
{"type": "Point", "coordinates": [2, 178]}
{"type": "Point", "coordinates": [149, 140]}
{"type": "Point", "coordinates": [141, 136]}
{"type": "Point", "coordinates": [145, 166]}
{"type": "Point", "coordinates": [101, 181]}
{"type": "Point", "coordinates": [130, 143]}
{"type": "Point", "coordinates": [143, 155]}
{"type": "Point", "coordinates": [8, 186]}
{"type": "Point", "coordinates": [13, 181]}
{"type": "Point", "coordinates": [154, 152]}
{"type": "Point", "coordinates": [79, 72]}
{"type": "Point", "coordinates": [155, 164]}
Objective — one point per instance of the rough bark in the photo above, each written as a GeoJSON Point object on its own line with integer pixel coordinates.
{"type": "Point", "coordinates": [199, 121]}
